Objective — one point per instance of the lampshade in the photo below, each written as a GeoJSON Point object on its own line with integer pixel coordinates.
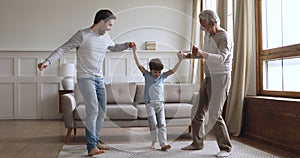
{"type": "Point", "coordinates": [67, 69]}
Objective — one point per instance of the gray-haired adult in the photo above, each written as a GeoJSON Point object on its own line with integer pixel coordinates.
{"type": "Point", "coordinates": [217, 52]}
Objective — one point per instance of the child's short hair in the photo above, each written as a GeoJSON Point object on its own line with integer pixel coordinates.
{"type": "Point", "coordinates": [156, 64]}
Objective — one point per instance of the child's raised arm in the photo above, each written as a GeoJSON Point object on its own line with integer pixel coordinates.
{"type": "Point", "coordinates": [180, 58]}
{"type": "Point", "coordinates": [136, 59]}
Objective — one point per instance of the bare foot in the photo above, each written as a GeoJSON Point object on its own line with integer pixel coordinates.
{"type": "Point", "coordinates": [166, 147]}
{"type": "Point", "coordinates": [152, 146]}
{"type": "Point", "coordinates": [102, 147]}
{"type": "Point", "coordinates": [95, 151]}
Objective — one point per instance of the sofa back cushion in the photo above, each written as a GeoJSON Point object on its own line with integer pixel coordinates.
{"type": "Point", "coordinates": [175, 93]}
{"type": "Point", "coordinates": [139, 96]}
{"type": "Point", "coordinates": [120, 93]}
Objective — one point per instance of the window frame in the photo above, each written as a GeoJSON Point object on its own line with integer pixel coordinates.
{"type": "Point", "coordinates": [268, 54]}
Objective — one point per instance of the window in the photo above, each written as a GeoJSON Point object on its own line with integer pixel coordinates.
{"type": "Point", "coordinates": [278, 47]}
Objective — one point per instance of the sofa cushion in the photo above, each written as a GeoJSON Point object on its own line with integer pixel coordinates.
{"type": "Point", "coordinates": [142, 111]}
{"type": "Point", "coordinates": [121, 112]}
{"type": "Point", "coordinates": [118, 112]}
{"type": "Point", "coordinates": [178, 110]}
{"type": "Point", "coordinates": [139, 96]}
{"type": "Point", "coordinates": [120, 93]}
{"type": "Point", "coordinates": [179, 93]}
{"type": "Point", "coordinates": [172, 110]}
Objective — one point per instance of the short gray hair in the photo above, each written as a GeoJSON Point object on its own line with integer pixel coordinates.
{"type": "Point", "coordinates": [210, 17]}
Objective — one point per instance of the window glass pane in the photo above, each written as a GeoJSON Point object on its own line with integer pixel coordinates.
{"type": "Point", "coordinates": [290, 13]}
{"type": "Point", "coordinates": [273, 75]}
{"type": "Point", "coordinates": [278, 23]}
{"type": "Point", "coordinates": [230, 18]}
{"type": "Point", "coordinates": [291, 74]}
{"type": "Point", "coordinates": [210, 4]}
{"type": "Point", "coordinates": [271, 23]}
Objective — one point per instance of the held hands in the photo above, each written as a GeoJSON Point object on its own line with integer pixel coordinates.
{"type": "Point", "coordinates": [42, 66]}
{"type": "Point", "coordinates": [133, 46]}
{"type": "Point", "coordinates": [180, 55]}
{"type": "Point", "coordinates": [196, 52]}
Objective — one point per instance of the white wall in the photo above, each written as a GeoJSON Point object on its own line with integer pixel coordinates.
{"type": "Point", "coordinates": [43, 25]}
{"type": "Point", "coordinates": [25, 92]}
{"type": "Point", "coordinates": [31, 29]}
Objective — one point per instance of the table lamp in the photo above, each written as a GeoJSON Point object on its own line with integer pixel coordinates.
{"type": "Point", "coordinates": [67, 70]}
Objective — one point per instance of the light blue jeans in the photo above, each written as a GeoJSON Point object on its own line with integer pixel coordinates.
{"type": "Point", "coordinates": [94, 95]}
{"type": "Point", "coordinates": [157, 122]}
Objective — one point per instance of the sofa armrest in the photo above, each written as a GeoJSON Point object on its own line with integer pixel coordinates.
{"type": "Point", "coordinates": [195, 98]}
{"type": "Point", "coordinates": [68, 107]}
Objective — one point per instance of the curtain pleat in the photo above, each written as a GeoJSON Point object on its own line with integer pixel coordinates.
{"type": "Point", "coordinates": [222, 12]}
{"type": "Point", "coordinates": [244, 50]}
{"type": "Point", "coordinates": [195, 65]}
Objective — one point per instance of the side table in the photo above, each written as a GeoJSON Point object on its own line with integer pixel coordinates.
{"type": "Point", "coordinates": [60, 93]}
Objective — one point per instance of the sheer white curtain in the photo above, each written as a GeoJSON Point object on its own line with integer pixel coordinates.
{"type": "Point", "coordinates": [195, 65]}
{"type": "Point", "coordinates": [222, 12]}
{"type": "Point", "coordinates": [244, 50]}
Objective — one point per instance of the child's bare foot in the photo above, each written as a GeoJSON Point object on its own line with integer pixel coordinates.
{"type": "Point", "coordinates": [166, 147]}
{"type": "Point", "coordinates": [152, 146]}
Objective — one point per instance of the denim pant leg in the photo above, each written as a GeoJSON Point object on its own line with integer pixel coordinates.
{"type": "Point", "coordinates": [102, 100]}
{"type": "Point", "coordinates": [94, 114]}
{"type": "Point", "coordinates": [161, 123]}
{"type": "Point", "coordinates": [152, 122]}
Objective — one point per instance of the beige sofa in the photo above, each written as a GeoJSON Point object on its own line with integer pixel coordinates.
{"type": "Point", "coordinates": [126, 108]}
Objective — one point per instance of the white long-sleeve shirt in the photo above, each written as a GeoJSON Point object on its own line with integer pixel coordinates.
{"type": "Point", "coordinates": [90, 51]}
{"type": "Point", "coordinates": [220, 49]}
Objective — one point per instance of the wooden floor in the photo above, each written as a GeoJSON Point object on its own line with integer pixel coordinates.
{"type": "Point", "coordinates": [44, 138]}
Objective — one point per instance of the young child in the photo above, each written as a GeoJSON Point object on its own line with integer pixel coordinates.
{"type": "Point", "coordinates": [154, 97]}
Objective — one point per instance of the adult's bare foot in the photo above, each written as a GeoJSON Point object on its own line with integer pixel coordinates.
{"type": "Point", "coordinates": [95, 151]}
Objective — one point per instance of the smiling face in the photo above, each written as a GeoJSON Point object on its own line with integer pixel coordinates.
{"type": "Point", "coordinates": [204, 26]}
{"type": "Point", "coordinates": [156, 67]}
{"type": "Point", "coordinates": [155, 73]}
{"type": "Point", "coordinates": [105, 26]}
{"type": "Point", "coordinates": [210, 28]}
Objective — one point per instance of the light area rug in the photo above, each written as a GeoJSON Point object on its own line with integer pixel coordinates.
{"type": "Point", "coordinates": [142, 150]}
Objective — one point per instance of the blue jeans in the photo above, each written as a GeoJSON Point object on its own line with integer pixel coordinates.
{"type": "Point", "coordinates": [94, 95]}
{"type": "Point", "coordinates": [157, 122]}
